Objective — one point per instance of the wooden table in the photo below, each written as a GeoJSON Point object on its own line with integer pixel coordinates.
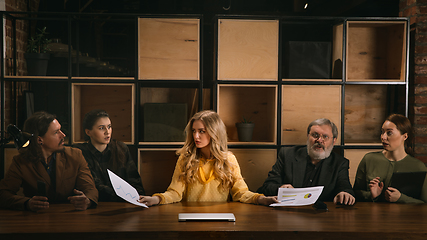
{"type": "Point", "coordinates": [126, 221]}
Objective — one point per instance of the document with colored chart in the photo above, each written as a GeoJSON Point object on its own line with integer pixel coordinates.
{"type": "Point", "coordinates": [297, 196]}
{"type": "Point", "coordinates": [124, 189]}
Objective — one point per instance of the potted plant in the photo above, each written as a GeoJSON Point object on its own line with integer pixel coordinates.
{"type": "Point", "coordinates": [36, 55]}
{"type": "Point", "coordinates": [245, 129]}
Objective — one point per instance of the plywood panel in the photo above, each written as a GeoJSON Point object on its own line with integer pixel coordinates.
{"type": "Point", "coordinates": [257, 103]}
{"type": "Point", "coordinates": [376, 51]}
{"type": "Point", "coordinates": [9, 153]}
{"type": "Point", "coordinates": [303, 104]}
{"type": "Point", "coordinates": [248, 49]}
{"type": "Point", "coordinates": [116, 99]}
{"type": "Point", "coordinates": [337, 47]}
{"type": "Point", "coordinates": [255, 165]}
{"type": "Point", "coordinates": [355, 156]}
{"type": "Point", "coordinates": [156, 169]}
{"type": "Point", "coordinates": [365, 111]}
{"type": "Point", "coordinates": [188, 96]}
{"type": "Point", "coordinates": [168, 48]}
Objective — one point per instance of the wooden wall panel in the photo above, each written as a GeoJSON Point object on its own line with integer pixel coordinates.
{"type": "Point", "coordinates": [255, 165]}
{"type": "Point", "coordinates": [376, 51]}
{"type": "Point", "coordinates": [116, 99]}
{"type": "Point", "coordinates": [337, 51]}
{"type": "Point", "coordinates": [365, 111]}
{"type": "Point", "coordinates": [168, 49]}
{"type": "Point", "coordinates": [9, 153]}
{"type": "Point", "coordinates": [257, 103]}
{"type": "Point", "coordinates": [156, 168]}
{"type": "Point", "coordinates": [355, 156]}
{"type": "Point", "coordinates": [248, 49]}
{"type": "Point", "coordinates": [305, 103]}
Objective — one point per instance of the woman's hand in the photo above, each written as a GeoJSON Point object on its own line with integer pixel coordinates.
{"type": "Point", "coordinates": [376, 187]}
{"type": "Point", "coordinates": [392, 194]}
{"type": "Point", "coordinates": [263, 200]}
{"type": "Point", "coordinates": [149, 201]}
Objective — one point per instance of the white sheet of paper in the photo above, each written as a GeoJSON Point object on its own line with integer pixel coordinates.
{"type": "Point", "coordinates": [297, 196]}
{"type": "Point", "coordinates": [124, 189]}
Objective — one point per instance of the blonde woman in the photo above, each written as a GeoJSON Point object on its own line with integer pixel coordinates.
{"type": "Point", "coordinates": [206, 171]}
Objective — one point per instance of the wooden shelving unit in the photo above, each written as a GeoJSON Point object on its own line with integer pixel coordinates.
{"type": "Point", "coordinates": [315, 101]}
{"type": "Point", "coordinates": [376, 50]}
{"type": "Point", "coordinates": [168, 49]}
{"type": "Point", "coordinates": [352, 71]}
{"type": "Point", "coordinates": [236, 102]}
{"type": "Point", "coordinates": [280, 72]}
{"type": "Point", "coordinates": [118, 99]}
{"type": "Point", "coordinates": [156, 168]}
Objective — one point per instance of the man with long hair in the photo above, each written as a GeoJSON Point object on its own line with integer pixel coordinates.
{"type": "Point", "coordinates": [63, 171]}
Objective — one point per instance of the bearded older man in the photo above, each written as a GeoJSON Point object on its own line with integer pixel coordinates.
{"type": "Point", "coordinates": [313, 165]}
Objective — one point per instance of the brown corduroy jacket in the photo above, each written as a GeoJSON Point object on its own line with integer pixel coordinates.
{"type": "Point", "coordinates": [72, 172]}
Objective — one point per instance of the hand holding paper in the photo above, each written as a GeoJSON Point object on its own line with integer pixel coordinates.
{"type": "Point", "coordinates": [124, 189]}
{"type": "Point", "coordinates": [297, 196]}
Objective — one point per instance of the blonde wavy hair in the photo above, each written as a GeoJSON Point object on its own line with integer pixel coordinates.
{"type": "Point", "coordinates": [215, 127]}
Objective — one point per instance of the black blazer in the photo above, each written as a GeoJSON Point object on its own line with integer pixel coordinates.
{"type": "Point", "coordinates": [290, 169]}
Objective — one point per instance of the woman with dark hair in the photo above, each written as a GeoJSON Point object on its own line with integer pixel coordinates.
{"type": "Point", "coordinates": [102, 152]}
{"type": "Point", "coordinates": [206, 171]}
{"type": "Point", "coordinates": [374, 173]}
{"type": "Point", "coordinates": [64, 173]}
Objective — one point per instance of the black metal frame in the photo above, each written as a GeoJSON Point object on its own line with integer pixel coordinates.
{"type": "Point", "coordinates": [70, 79]}
{"type": "Point", "coordinates": [71, 17]}
{"type": "Point", "coordinates": [290, 19]}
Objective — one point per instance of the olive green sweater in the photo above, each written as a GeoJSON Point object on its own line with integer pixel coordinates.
{"type": "Point", "coordinates": [375, 164]}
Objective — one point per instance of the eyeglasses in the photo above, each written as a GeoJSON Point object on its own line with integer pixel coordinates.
{"type": "Point", "coordinates": [316, 135]}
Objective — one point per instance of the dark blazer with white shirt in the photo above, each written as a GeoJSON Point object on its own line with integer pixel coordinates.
{"type": "Point", "coordinates": [290, 168]}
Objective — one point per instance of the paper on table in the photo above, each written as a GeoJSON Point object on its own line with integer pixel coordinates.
{"type": "Point", "coordinates": [297, 196]}
{"type": "Point", "coordinates": [124, 189]}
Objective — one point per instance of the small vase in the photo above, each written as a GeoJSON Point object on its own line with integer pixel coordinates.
{"type": "Point", "coordinates": [245, 131]}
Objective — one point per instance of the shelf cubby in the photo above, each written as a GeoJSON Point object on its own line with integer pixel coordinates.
{"type": "Point", "coordinates": [168, 49]}
{"type": "Point", "coordinates": [9, 153]}
{"type": "Point", "coordinates": [312, 50]}
{"type": "Point", "coordinates": [236, 102]}
{"type": "Point", "coordinates": [164, 113]}
{"type": "Point", "coordinates": [156, 167]}
{"type": "Point", "coordinates": [376, 51]}
{"type": "Point", "coordinates": [301, 104]}
{"type": "Point", "coordinates": [366, 107]}
{"type": "Point", "coordinates": [248, 49]}
{"type": "Point", "coordinates": [112, 55]}
{"type": "Point", "coordinates": [255, 165]}
{"type": "Point", "coordinates": [118, 99]}
{"type": "Point", "coordinates": [355, 156]}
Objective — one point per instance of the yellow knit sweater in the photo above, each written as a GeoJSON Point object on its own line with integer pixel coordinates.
{"type": "Point", "coordinates": [199, 191]}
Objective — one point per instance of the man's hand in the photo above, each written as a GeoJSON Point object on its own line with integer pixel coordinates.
{"type": "Point", "coordinates": [376, 187]}
{"type": "Point", "coordinates": [37, 203]}
{"type": "Point", "coordinates": [392, 194]}
{"type": "Point", "coordinates": [149, 201]}
{"type": "Point", "coordinates": [344, 198]}
{"type": "Point", "coordinates": [80, 201]}
{"type": "Point", "coordinates": [286, 186]}
{"type": "Point", "coordinates": [263, 200]}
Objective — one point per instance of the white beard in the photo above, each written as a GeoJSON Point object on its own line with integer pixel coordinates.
{"type": "Point", "coordinates": [318, 154]}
